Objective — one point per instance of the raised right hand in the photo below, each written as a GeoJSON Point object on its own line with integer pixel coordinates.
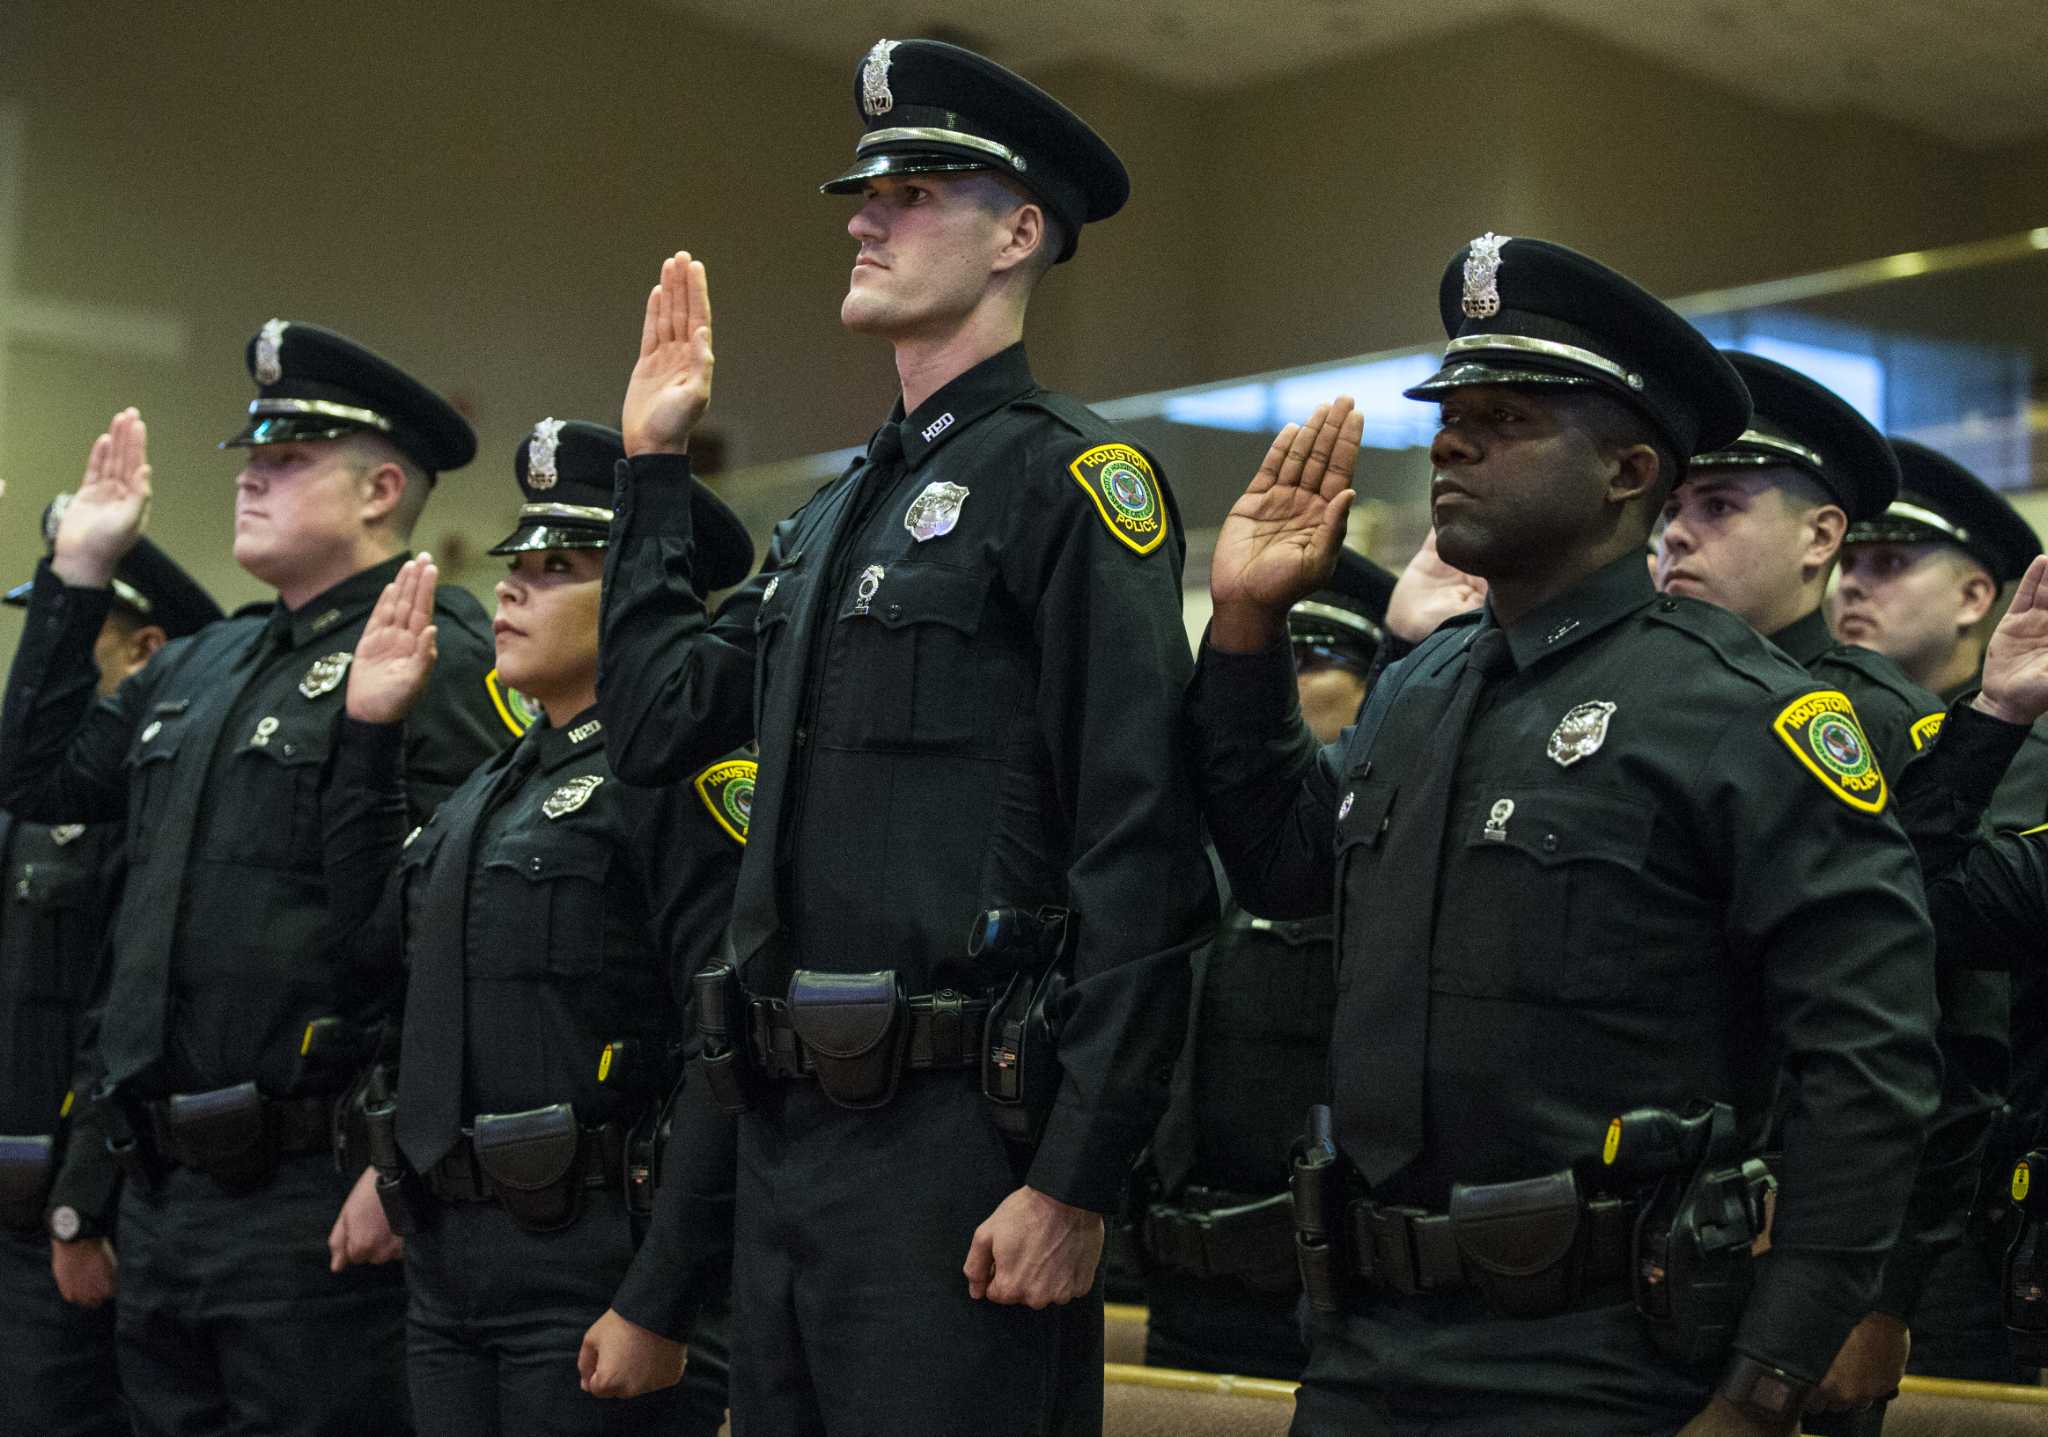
{"type": "Point", "coordinates": [395, 656]}
{"type": "Point", "coordinates": [1430, 591]}
{"type": "Point", "coordinates": [2016, 660]}
{"type": "Point", "coordinates": [671, 385]}
{"type": "Point", "coordinates": [104, 518]}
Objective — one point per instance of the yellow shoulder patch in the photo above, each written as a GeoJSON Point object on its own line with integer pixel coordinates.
{"type": "Point", "coordinates": [1822, 732]}
{"type": "Point", "coordinates": [727, 788]}
{"type": "Point", "coordinates": [519, 712]}
{"type": "Point", "coordinates": [1126, 494]}
{"type": "Point", "coordinates": [1924, 730]}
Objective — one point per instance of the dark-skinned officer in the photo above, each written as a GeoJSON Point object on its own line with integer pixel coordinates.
{"type": "Point", "coordinates": [61, 881]}
{"type": "Point", "coordinates": [964, 660]}
{"type": "Point", "coordinates": [1594, 849]}
{"type": "Point", "coordinates": [550, 920]}
{"type": "Point", "coordinates": [236, 1016]}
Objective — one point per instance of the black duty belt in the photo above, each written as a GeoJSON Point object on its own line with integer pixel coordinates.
{"type": "Point", "coordinates": [945, 1032]}
{"type": "Point", "coordinates": [1406, 1251]}
{"type": "Point", "coordinates": [1210, 1233]}
{"type": "Point", "coordinates": [290, 1126]}
{"type": "Point", "coordinates": [600, 1163]}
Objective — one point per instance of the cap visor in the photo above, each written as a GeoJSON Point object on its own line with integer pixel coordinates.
{"type": "Point", "coordinates": [918, 162]}
{"type": "Point", "coordinates": [530, 538]}
{"type": "Point", "coordinates": [1478, 371]}
{"type": "Point", "coordinates": [290, 429]}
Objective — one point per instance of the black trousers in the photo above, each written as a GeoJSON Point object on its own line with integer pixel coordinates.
{"type": "Point", "coordinates": [497, 1315]}
{"type": "Point", "coordinates": [1443, 1367]}
{"type": "Point", "coordinates": [1220, 1326]}
{"type": "Point", "coordinates": [850, 1311]}
{"type": "Point", "coordinates": [229, 1321]}
{"type": "Point", "coordinates": [56, 1360]}
{"type": "Point", "coordinates": [1959, 1325]}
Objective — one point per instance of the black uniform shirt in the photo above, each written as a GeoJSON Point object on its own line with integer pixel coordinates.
{"type": "Point", "coordinates": [985, 716]}
{"type": "Point", "coordinates": [253, 951]}
{"type": "Point", "coordinates": [59, 887]}
{"type": "Point", "coordinates": [1661, 921]}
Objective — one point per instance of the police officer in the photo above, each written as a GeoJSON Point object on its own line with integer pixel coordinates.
{"type": "Point", "coordinates": [236, 1014]}
{"type": "Point", "coordinates": [964, 661]}
{"type": "Point", "coordinates": [1594, 849]}
{"type": "Point", "coordinates": [1217, 1240]}
{"type": "Point", "coordinates": [1756, 527]}
{"type": "Point", "coordinates": [61, 881]}
{"type": "Point", "coordinates": [551, 920]}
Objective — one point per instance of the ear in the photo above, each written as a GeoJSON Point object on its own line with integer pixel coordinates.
{"type": "Point", "coordinates": [142, 647]}
{"type": "Point", "coordinates": [382, 488]}
{"type": "Point", "coordinates": [1825, 527]}
{"type": "Point", "coordinates": [1637, 475]}
{"type": "Point", "coordinates": [1980, 592]}
{"type": "Point", "coordinates": [1025, 232]}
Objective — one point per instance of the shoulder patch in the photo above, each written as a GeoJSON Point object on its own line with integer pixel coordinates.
{"type": "Point", "coordinates": [519, 712]}
{"type": "Point", "coordinates": [1126, 494]}
{"type": "Point", "coordinates": [727, 788]}
{"type": "Point", "coordinates": [1925, 730]}
{"type": "Point", "coordinates": [1822, 732]}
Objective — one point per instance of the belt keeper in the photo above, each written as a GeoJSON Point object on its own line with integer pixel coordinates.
{"type": "Point", "coordinates": [946, 1025]}
{"type": "Point", "coordinates": [1393, 1252]}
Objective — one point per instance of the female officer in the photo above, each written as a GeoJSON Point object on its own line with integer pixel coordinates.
{"type": "Point", "coordinates": [549, 918]}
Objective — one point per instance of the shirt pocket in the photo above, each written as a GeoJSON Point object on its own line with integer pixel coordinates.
{"type": "Point", "coordinates": [276, 767]}
{"type": "Point", "coordinates": [538, 904]}
{"type": "Point", "coordinates": [55, 895]}
{"type": "Point", "coordinates": [1545, 900]}
{"type": "Point", "coordinates": [152, 761]}
{"type": "Point", "coordinates": [779, 603]}
{"type": "Point", "coordinates": [1363, 813]}
{"type": "Point", "coordinates": [907, 669]}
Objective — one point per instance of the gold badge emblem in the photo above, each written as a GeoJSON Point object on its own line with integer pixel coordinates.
{"type": "Point", "coordinates": [1580, 733]}
{"type": "Point", "coordinates": [1126, 493]}
{"type": "Point", "coordinates": [326, 675]}
{"type": "Point", "coordinates": [1822, 732]}
{"type": "Point", "coordinates": [571, 795]}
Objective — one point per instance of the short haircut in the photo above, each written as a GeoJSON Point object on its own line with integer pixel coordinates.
{"type": "Point", "coordinates": [373, 450]}
{"type": "Point", "coordinates": [1003, 195]}
{"type": "Point", "coordinates": [1616, 425]}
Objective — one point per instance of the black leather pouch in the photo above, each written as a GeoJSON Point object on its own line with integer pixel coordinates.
{"type": "Point", "coordinates": [222, 1133]}
{"type": "Point", "coordinates": [530, 1158]}
{"type": "Point", "coordinates": [854, 1027]}
{"type": "Point", "coordinates": [1520, 1242]}
{"type": "Point", "coordinates": [26, 1169]}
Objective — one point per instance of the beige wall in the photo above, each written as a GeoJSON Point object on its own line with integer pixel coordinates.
{"type": "Point", "coordinates": [484, 192]}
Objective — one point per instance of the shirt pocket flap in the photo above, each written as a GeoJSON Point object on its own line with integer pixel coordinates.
{"type": "Point", "coordinates": [914, 591]}
{"type": "Point", "coordinates": [1363, 811]}
{"type": "Point", "coordinates": [524, 853]}
{"type": "Point", "coordinates": [1562, 825]}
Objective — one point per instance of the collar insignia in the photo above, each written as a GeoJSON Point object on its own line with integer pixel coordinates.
{"type": "Point", "coordinates": [571, 795]}
{"type": "Point", "coordinates": [269, 344]}
{"type": "Point", "coordinates": [1482, 276]}
{"type": "Point", "coordinates": [540, 455]}
{"type": "Point", "coordinates": [583, 731]}
{"type": "Point", "coordinates": [65, 833]}
{"type": "Point", "coordinates": [1579, 734]}
{"type": "Point", "coordinates": [326, 675]}
{"type": "Point", "coordinates": [935, 511]}
{"type": "Point", "coordinates": [874, 80]}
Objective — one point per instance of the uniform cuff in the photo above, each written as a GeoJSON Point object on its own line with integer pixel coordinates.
{"type": "Point", "coordinates": [370, 753]}
{"type": "Point", "coordinates": [1974, 751]}
{"type": "Point", "coordinates": [1084, 1162]}
{"type": "Point", "coordinates": [651, 497]}
{"type": "Point", "coordinates": [65, 611]}
{"type": "Point", "coordinates": [1905, 1277]}
{"type": "Point", "coordinates": [1801, 1312]}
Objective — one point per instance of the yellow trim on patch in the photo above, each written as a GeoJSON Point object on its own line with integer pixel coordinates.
{"type": "Point", "coordinates": [1925, 729]}
{"type": "Point", "coordinates": [2037, 828]}
{"type": "Point", "coordinates": [711, 786]}
{"type": "Point", "coordinates": [1141, 533]}
{"type": "Point", "coordinates": [64, 1108]}
{"type": "Point", "coordinates": [1796, 721]}
{"type": "Point", "coordinates": [306, 1041]}
{"type": "Point", "coordinates": [496, 688]}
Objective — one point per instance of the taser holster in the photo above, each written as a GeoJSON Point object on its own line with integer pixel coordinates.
{"type": "Point", "coordinates": [853, 1028]}
{"type": "Point", "coordinates": [722, 1058]}
{"type": "Point", "coordinates": [530, 1158]}
{"type": "Point", "coordinates": [27, 1167]}
{"type": "Point", "coordinates": [2023, 1275]}
{"type": "Point", "coordinates": [128, 1141]}
{"type": "Point", "coordinates": [1020, 1064]}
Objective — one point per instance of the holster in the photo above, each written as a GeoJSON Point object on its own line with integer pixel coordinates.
{"type": "Point", "coordinates": [27, 1167]}
{"type": "Point", "coordinates": [530, 1158]}
{"type": "Point", "coordinates": [1316, 1185]}
{"type": "Point", "coordinates": [646, 1145]}
{"type": "Point", "coordinates": [852, 1025]}
{"type": "Point", "coordinates": [223, 1134]}
{"type": "Point", "coordinates": [129, 1142]}
{"type": "Point", "coordinates": [399, 1189]}
{"type": "Point", "coordinates": [722, 1059]}
{"type": "Point", "coordinates": [1020, 1062]}
{"type": "Point", "coordinates": [1520, 1241]}
{"type": "Point", "coordinates": [1693, 1266]}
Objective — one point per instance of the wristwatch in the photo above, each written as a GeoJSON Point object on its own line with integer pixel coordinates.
{"type": "Point", "coordinates": [1769, 1394]}
{"type": "Point", "coordinates": [67, 1224]}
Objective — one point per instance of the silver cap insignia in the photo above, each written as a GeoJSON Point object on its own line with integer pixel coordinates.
{"type": "Point", "coordinates": [1580, 733]}
{"type": "Point", "coordinates": [65, 833]}
{"type": "Point", "coordinates": [874, 80]}
{"type": "Point", "coordinates": [326, 675]}
{"type": "Point", "coordinates": [540, 454]}
{"type": "Point", "coordinates": [935, 511]}
{"type": "Point", "coordinates": [571, 795]}
{"type": "Point", "coordinates": [269, 340]}
{"type": "Point", "coordinates": [1482, 276]}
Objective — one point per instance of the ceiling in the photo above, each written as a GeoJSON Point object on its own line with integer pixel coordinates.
{"type": "Point", "coordinates": [1972, 71]}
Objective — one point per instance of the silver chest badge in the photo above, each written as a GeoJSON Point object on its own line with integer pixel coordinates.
{"type": "Point", "coordinates": [1580, 733]}
{"type": "Point", "coordinates": [571, 795]}
{"type": "Point", "coordinates": [65, 833]}
{"type": "Point", "coordinates": [540, 454]}
{"type": "Point", "coordinates": [874, 80]}
{"type": "Point", "coordinates": [269, 341]}
{"type": "Point", "coordinates": [935, 511]}
{"type": "Point", "coordinates": [326, 675]}
{"type": "Point", "coordinates": [1482, 276]}
{"type": "Point", "coordinates": [870, 580]}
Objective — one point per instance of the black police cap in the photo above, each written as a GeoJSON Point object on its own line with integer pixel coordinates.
{"type": "Point", "coordinates": [147, 581]}
{"type": "Point", "coordinates": [1350, 613]}
{"type": "Point", "coordinates": [1801, 424]}
{"type": "Point", "coordinates": [312, 383]}
{"type": "Point", "coordinates": [1941, 502]}
{"type": "Point", "coordinates": [565, 470]}
{"type": "Point", "coordinates": [930, 108]}
{"type": "Point", "coordinates": [1528, 312]}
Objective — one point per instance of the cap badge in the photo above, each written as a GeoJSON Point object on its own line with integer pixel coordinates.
{"type": "Point", "coordinates": [1482, 276]}
{"type": "Point", "coordinates": [870, 581]}
{"type": "Point", "coordinates": [269, 341]}
{"type": "Point", "coordinates": [325, 676]}
{"type": "Point", "coordinates": [935, 511]}
{"type": "Point", "coordinates": [571, 795]}
{"type": "Point", "coordinates": [540, 454]}
{"type": "Point", "coordinates": [65, 833]}
{"type": "Point", "coordinates": [1580, 733]}
{"type": "Point", "coordinates": [1497, 820]}
{"type": "Point", "coordinates": [874, 80]}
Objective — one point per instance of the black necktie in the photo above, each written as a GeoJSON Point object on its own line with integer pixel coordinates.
{"type": "Point", "coordinates": [1392, 996]}
{"type": "Point", "coordinates": [431, 1057]}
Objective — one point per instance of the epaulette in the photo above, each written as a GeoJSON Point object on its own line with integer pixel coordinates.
{"type": "Point", "coordinates": [1730, 639]}
{"type": "Point", "coordinates": [1924, 713]}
